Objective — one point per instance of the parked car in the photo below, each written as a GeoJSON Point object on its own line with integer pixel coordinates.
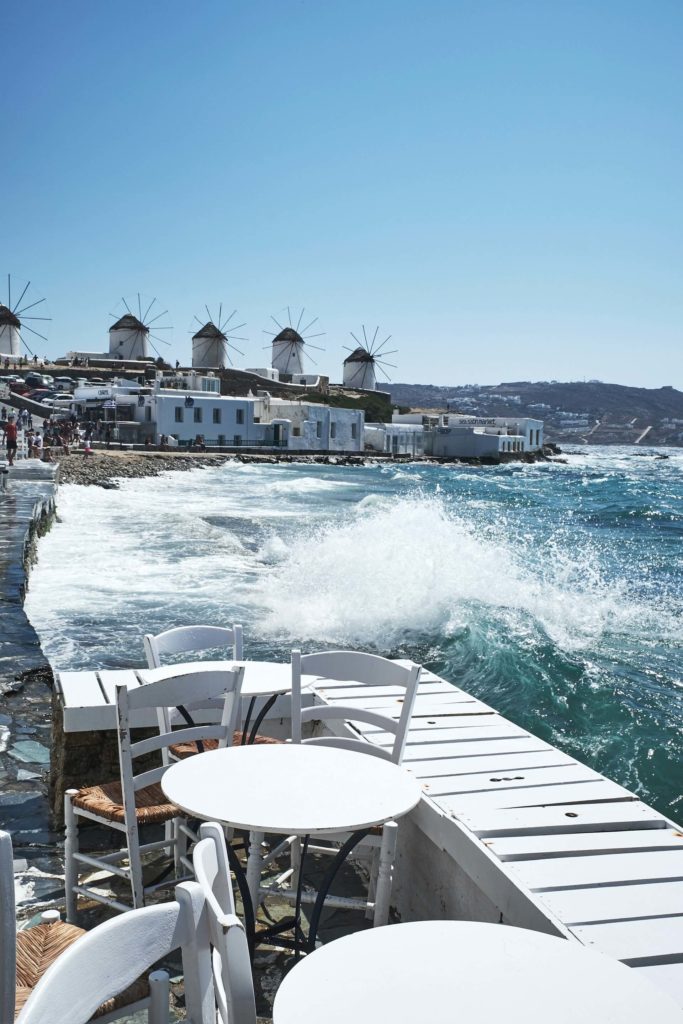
{"type": "Point", "coordinates": [36, 380]}
{"type": "Point", "coordinates": [64, 384]}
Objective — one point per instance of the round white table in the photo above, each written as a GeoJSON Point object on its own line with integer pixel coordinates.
{"type": "Point", "coordinates": [466, 973]}
{"type": "Point", "coordinates": [291, 788]}
{"type": "Point", "coordinates": [261, 678]}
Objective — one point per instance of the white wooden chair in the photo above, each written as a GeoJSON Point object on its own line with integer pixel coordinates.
{"type": "Point", "coordinates": [233, 984]}
{"type": "Point", "coordinates": [361, 670]}
{"type": "Point", "coordinates": [27, 955]}
{"type": "Point", "coordinates": [137, 800]}
{"type": "Point", "coordinates": [107, 959]}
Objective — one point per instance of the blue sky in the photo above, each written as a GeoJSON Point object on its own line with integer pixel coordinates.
{"type": "Point", "coordinates": [495, 182]}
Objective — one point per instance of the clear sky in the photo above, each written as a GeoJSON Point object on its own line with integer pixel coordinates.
{"type": "Point", "coordinates": [498, 183]}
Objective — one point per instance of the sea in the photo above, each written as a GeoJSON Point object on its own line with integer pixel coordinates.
{"type": "Point", "coordinates": [552, 591]}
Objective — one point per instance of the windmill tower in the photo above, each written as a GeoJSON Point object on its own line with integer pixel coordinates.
{"type": "Point", "coordinates": [359, 366]}
{"type": "Point", "coordinates": [288, 343]}
{"type": "Point", "coordinates": [13, 320]}
{"type": "Point", "coordinates": [130, 336]}
{"type": "Point", "coordinates": [212, 343]}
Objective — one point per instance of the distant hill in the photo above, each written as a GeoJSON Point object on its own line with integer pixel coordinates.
{"type": "Point", "coordinates": [589, 411]}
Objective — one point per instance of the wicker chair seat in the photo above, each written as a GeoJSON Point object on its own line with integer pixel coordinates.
{"type": "Point", "coordinates": [39, 947]}
{"type": "Point", "coordinates": [183, 750]}
{"type": "Point", "coordinates": [151, 805]}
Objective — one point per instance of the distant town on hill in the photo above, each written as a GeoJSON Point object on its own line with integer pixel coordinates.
{"type": "Point", "coordinates": [589, 412]}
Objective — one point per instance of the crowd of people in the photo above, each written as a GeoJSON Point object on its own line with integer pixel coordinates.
{"type": "Point", "coordinates": [41, 442]}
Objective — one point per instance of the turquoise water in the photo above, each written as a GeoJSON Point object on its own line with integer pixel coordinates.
{"type": "Point", "coordinates": [553, 592]}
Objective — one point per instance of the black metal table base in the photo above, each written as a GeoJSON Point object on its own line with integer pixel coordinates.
{"type": "Point", "coordinates": [299, 942]}
{"type": "Point", "coordinates": [250, 737]}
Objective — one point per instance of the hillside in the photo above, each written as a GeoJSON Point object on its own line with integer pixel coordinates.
{"type": "Point", "coordinates": [589, 411]}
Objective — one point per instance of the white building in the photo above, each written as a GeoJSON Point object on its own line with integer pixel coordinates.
{"type": "Point", "coordinates": [288, 351]}
{"type": "Point", "coordinates": [194, 407]}
{"type": "Point", "coordinates": [519, 433]}
{"type": "Point", "coordinates": [395, 438]}
{"type": "Point", "coordinates": [129, 338]}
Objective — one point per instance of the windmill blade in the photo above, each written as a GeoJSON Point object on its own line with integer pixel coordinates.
{"type": "Point", "coordinates": [381, 362]}
{"type": "Point", "coordinates": [374, 336]}
{"type": "Point", "coordinates": [301, 316]}
{"type": "Point", "coordinates": [236, 337]}
{"type": "Point", "coordinates": [157, 338]}
{"type": "Point", "coordinates": [35, 332]}
{"type": "Point", "coordinates": [237, 327]}
{"type": "Point", "coordinates": [316, 347]}
{"type": "Point", "coordinates": [308, 326]}
{"type": "Point", "coordinates": [355, 339]}
{"type": "Point", "coordinates": [289, 316]}
{"type": "Point", "coordinates": [381, 352]}
{"type": "Point", "coordinates": [320, 334]}
{"type": "Point", "coordinates": [220, 314]}
{"type": "Point", "coordinates": [18, 312]}
{"type": "Point", "coordinates": [27, 346]}
{"type": "Point", "coordinates": [312, 360]}
{"type": "Point", "coordinates": [208, 312]}
{"type": "Point", "coordinates": [236, 349]}
{"type": "Point", "coordinates": [155, 318]}
{"type": "Point", "coordinates": [198, 321]}
{"type": "Point", "coordinates": [139, 308]}
{"type": "Point", "coordinates": [365, 336]}
{"type": "Point", "coordinates": [222, 328]}
{"type": "Point", "coordinates": [9, 291]}
{"type": "Point", "coordinates": [144, 318]}
{"type": "Point", "coordinates": [278, 323]}
{"type": "Point", "coordinates": [36, 318]}
{"type": "Point", "coordinates": [347, 349]}
{"type": "Point", "coordinates": [126, 305]}
{"type": "Point", "coordinates": [20, 297]}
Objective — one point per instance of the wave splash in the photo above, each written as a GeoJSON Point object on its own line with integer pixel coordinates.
{"type": "Point", "coordinates": [414, 567]}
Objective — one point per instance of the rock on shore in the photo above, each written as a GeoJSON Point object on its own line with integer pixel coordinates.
{"type": "Point", "coordinates": [104, 467]}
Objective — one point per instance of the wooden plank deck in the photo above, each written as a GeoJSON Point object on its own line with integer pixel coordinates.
{"type": "Point", "coordinates": [604, 867]}
{"type": "Point", "coordinates": [550, 841]}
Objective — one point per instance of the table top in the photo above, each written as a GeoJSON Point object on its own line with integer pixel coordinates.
{"type": "Point", "coordinates": [291, 789]}
{"type": "Point", "coordinates": [261, 678]}
{"type": "Point", "coordinates": [464, 972]}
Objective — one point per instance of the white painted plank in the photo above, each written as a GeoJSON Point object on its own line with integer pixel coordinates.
{"type": "Point", "coordinates": [465, 752]}
{"type": "Point", "coordinates": [454, 767]}
{"type": "Point", "coordinates": [495, 781]}
{"type": "Point", "coordinates": [668, 977]}
{"type": "Point", "coordinates": [607, 869]}
{"type": "Point", "coordinates": [468, 804]}
{"type": "Point", "coordinates": [462, 729]}
{"type": "Point", "coordinates": [616, 902]}
{"type": "Point", "coordinates": [338, 690]}
{"type": "Point", "coordinates": [562, 818]}
{"type": "Point", "coordinates": [111, 678]}
{"type": "Point", "coordinates": [81, 690]}
{"type": "Point", "coordinates": [648, 939]}
{"type": "Point", "coordinates": [584, 843]}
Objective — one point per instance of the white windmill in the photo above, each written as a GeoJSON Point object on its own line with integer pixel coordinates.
{"type": "Point", "coordinates": [212, 343]}
{"type": "Point", "coordinates": [13, 320]}
{"type": "Point", "coordinates": [130, 335]}
{"type": "Point", "coordinates": [359, 366]}
{"type": "Point", "coordinates": [288, 343]}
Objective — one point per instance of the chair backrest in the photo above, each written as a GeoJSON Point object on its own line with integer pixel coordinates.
{"type": "Point", "coordinates": [368, 670]}
{"type": "Point", "coordinates": [106, 960]}
{"type": "Point", "coordinates": [8, 943]}
{"type": "Point", "coordinates": [175, 691]}
{"type": "Point", "coordinates": [233, 984]}
{"type": "Point", "coordinates": [195, 639]}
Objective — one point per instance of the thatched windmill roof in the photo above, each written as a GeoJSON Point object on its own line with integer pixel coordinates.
{"type": "Point", "coordinates": [359, 355]}
{"type": "Point", "coordinates": [7, 317]}
{"type": "Point", "coordinates": [289, 335]}
{"type": "Point", "coordinates": [209, 330]}
{"type": "Point", "coordinates": [128, 322]}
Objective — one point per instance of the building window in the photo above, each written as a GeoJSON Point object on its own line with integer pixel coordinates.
{"type": "Point", "coordinates": [257, 419]}
{"type": "Point", "coordinates": [197, 414]}
{"type": "Point", "coordinates": [237, 439]}
{"type": "Point", "coordinates": [319, 429]}
{"type": "Point", "coordinates": [354, 431]}
{"type": "Point", "coordinates": [148, 414]}
{"type": "Point", "coordinates": [239, 416]}
{"type": "Point", "coordinates": [221, 440]}
{"type": "Point", "coordinates": [333, 429]}
{"type": "Point", "coordinates": [296, 431]}
{"type": "Point", "coordinates": [179, 413]}
{"type": "Point", "coordinates": [216, 415]}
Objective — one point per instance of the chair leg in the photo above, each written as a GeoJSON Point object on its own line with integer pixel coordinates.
{"type": "Point", "coordinates": [385, 873]}
{"type": "Point", "coordinates": [295, 860]}
{"type": "Point", "coordinates": [135, 866]}
{"type": "Point", "coordinates": [179, 847]}
{"type": "Point", "coordinates": [254, 868]}
{"type": "Point", "coordinates": [70, 862]}
{"type": "Point", "coordinates": [158, 998]}
{"type": "Point", "coordinates": [372, 884]}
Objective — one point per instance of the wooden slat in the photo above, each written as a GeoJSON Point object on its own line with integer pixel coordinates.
{"type": "Point", "coordinates": [81, 689]}
{"type": "Point", "coordinates": [584, 843]}
{"type": "Point", "coordinates": [534, 796]}
{"type": "Point", "coordinates": [342, 691]}
{"type": "Point", "coordinates": [607, 869]}
{"type": "Point", "coordinates": [453, 731]}
{"type": "Point", "coordinates": [111, 678]}
{"type": "Point", "coordinates": [668, 977]}
{"type": "Point", "coordinates": [650, 939]}
{"type": "Point", "coordinates": [464, 753]}
{"type": "Point", "coordinates": [498, 781]}
{"type": "Point", "coordinates": [616, 902]}
{"type": "Point", "coordinates": [564, 818]}
{"type": "Point", "coordinates": [454, 767]}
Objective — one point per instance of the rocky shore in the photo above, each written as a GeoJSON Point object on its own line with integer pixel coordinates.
{"type": "Point", "coordinates": [104, 468]}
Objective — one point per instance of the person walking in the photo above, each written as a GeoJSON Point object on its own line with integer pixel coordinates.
{"type": "Point", "coordinates": [11, 439]}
